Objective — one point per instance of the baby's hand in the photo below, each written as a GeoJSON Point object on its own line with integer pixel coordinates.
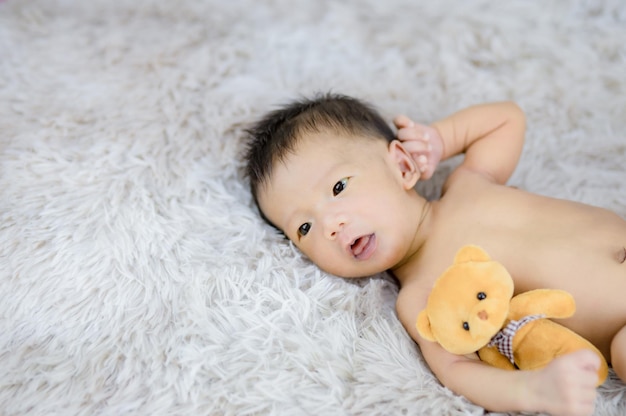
{"type": "Point", "coordinates": [567, 386]}
{"type": "Point", "coordinates": [422, 142]}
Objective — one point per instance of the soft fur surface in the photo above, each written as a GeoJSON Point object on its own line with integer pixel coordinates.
{"type": "Point", "coordinates": [136, 275]}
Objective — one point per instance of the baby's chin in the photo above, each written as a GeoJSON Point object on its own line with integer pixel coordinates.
{"type": "Point", "coordinates": [352, 272]}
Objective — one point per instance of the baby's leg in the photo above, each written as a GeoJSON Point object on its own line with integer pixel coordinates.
{"type": "Point", "coordinates": [618, 353]}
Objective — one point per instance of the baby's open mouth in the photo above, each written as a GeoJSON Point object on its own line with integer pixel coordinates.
{"type": "Point", "coordinates": [363, 247]}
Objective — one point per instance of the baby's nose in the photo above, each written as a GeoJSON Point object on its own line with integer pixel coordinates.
{"type": "Point", "coordinates": [333, 225]}
{"type": "Point", "coordinates": [332, 231]}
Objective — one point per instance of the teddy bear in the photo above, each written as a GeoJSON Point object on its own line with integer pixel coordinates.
{"type": "Point", "coordinates": [472, 309]}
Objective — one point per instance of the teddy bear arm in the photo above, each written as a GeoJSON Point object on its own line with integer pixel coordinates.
{"type": "Point", "coordinates": [493, 357]}
{"type": "Point", "coordinates": [552, 303]}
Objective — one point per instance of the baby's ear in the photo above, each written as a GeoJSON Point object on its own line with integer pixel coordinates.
{"type": "Point", "coordinates": [405, 163]}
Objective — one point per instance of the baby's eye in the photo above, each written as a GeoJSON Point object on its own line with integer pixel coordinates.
{"type": "Point", "coordinates": [481, 296]}
{"type": "Point", "coordinates": [304, 229]}
{"type": "Point", "coordinates": [340, 186]}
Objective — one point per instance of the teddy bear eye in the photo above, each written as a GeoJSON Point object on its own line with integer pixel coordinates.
{"type": "Point", "coordinates": [466, 326]}
{"type": "Point", "coordinates": [481, 296]}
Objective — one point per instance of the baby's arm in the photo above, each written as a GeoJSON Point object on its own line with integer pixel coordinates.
{"type": "Point", "coordinates": [491, 136]}
{"type": "Point", "coordinates": [566, 387]}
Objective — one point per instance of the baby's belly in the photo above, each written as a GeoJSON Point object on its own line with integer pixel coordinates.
{"type": "Point", "coordinates": [596, 278]}
{"type": "Point", "coordinates": [581, 254]}
{"type": "Point", "coordinates": [599, 326]}
{"type": "Point", "coordinates": [555, 244]}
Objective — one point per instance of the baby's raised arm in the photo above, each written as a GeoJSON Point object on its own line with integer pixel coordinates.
{"type": "Point", "coordinates": [491, 136]}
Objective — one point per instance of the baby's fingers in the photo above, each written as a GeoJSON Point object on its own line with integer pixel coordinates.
{"type": "Point", "coordinates": [588, 360]}
{"type": "Point", "coordinates": [413, 134]}
{"type": "Point", "coordinates": [403, 121]}
{"type": "Point", "coordinates": [422, 163]}
{"type": "Point", "coordinates": [413, 142]}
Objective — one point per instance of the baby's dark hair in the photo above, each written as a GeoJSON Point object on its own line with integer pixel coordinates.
{"type": "Point", "coordinates": [276, 134]}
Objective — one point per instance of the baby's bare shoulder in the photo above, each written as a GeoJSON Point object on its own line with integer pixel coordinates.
{"type": "Point", "coordinates": [463, 180]}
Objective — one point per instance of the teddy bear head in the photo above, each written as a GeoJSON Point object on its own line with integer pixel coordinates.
{"type": "Point", "coordinates": [468, 304]}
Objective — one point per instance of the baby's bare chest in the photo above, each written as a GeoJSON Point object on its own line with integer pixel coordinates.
{"type": "Point", "coordinates": [520, 226]}
{"type": "Point", "coordinates": [543, 243]}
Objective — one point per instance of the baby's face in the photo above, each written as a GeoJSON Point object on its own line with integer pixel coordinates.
{"type": "Point", "coordinates": [344, 202]}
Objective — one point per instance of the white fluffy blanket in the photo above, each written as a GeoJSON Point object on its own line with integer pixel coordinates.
{"type": "Point", "coordinates": [136, 276]}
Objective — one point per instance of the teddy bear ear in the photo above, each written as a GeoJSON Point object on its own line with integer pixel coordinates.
{"type": "Point", "coordinates": [471, 253]}
{"type": "Point", "coordinates": [423, 326]}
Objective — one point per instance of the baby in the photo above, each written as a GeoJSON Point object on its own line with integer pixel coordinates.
{"type": "Point", "coordinates": [335, 179]}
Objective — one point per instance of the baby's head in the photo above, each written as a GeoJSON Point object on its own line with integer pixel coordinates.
{"type": "Point", "coordinates": [278, 133]}
{"type": "Point", "coordinates": [328, 173]}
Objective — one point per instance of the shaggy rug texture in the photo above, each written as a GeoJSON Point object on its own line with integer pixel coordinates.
{"type": "Point", "coordinates": [136, 276]}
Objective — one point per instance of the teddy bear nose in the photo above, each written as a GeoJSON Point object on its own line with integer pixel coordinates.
{"type": "Point", "coordinates": [483, 315]}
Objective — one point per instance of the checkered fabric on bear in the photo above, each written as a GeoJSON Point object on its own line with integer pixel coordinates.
{"type": "Point", "coordinates": [503, 340]}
